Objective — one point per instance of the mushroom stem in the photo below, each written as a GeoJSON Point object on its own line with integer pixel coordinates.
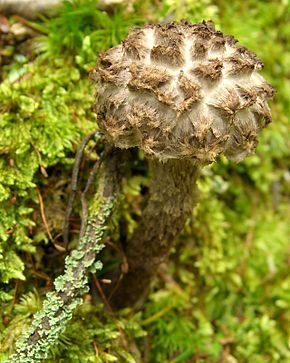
{"type": "Point", "coordinates": [172, 197]}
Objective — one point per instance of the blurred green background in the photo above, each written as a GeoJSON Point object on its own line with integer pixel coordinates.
{"type": "Point", "coordinates": [225, 294]}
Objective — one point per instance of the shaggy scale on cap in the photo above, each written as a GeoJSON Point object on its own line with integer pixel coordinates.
{"type": "Point", "coordinates": [182, 90]}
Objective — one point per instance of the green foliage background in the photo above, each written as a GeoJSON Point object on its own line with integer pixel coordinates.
{"type": "Point", "coordinates": [225, 295]}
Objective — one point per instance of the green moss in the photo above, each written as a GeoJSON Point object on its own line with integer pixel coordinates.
{"type": "Point", "coordinates": [230, 300]}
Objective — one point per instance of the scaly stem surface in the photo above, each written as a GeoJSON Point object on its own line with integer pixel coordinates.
{"type": "Point", "coordinates": [172, 198]}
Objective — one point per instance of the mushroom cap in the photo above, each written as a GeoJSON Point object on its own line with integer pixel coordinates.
{"type": "Point", "coordinates": [182, 90]}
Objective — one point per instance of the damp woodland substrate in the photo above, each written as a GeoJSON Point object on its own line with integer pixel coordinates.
{"type": "Point", "coordinates": [233, 255]}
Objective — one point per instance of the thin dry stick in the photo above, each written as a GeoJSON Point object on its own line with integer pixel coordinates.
{"type": "Point", "coordinates": [43, 214]}
{"type": "Point", "coordinates": [42, 168]}
{"type": "Point", "coordinates": [101, 292]}
{"type": "Point", "coordinates": [124, 268]}
{"type": "Point", "coordinates": [75, 173]}
{"type": "Point", "coordinates": [96, 349]}
{"type": "Point", "coordinates": [105, 355]}
{"type": "Point", "coordinates": [28, 24]}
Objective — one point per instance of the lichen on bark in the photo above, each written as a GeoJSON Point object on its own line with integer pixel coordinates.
{"type": "Point", "coordinates": [59, 305]}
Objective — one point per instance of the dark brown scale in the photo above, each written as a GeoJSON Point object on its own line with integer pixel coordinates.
{"type": "Point", "coordinates": [199, 50]}
{"type": "Point", "coordinates": [203, 31]}
{"type": "Point", "coordinates": [112, 74]}
{"type": "Point", "coordinates": [200, 132]}
{"type": "Point", "coordinates": [251, 56]}
{"type": "Point", "coordinates": [211, 70]}
{"type": "Point", "coordinates": [135, 50]}
{"type": "Point", "coordinates": [143, 115]}
{"type": "Point", "coordinates": [133, 44]}
{"type": "Point", "coordinates": [135, 69]}
{"type": "Point", "coordinates": [116, 101]}
{"type": "Point", "coordinates": [204, 26]}
{"type": "Point", "coordinates": [262, 122]}
{"type": "Point", "coordinates": [228, 103]}
{"type": "Point", "coordinates": [265, 89]}
{"type": "Point", "coordinates": [191, 92]}
{"type": "Point", "coordinates": [168, 37]}
{"type": "Point", "coordinates": [166, 97]}
{"type": "Point", "coordinates": [170, 55]}
{"type": "Point", "coordinates": [189, 87]}
{"type": "Point", "coordinates": [105, 60]}
{"type": "Point", "coordinates": [246, 133]}
{"type": "Point", "coordinates": [262, 111]}
{"type": "Point", "coordinates": [202, 36]}
{"type": "Point", "coordinates": [230, 40]}
{"type": "Point", "coordinates": [185, 105]}
{"type": "Point", "coordinates": [149, 78]}
{"type": "Point", "coordinates": [248, 96]}
{"type": "Point", "coordinates": [218, 42]}
{"type": "Point", "coordinates": [210, 25]}
{"type": "Point", "coordinates": [240, 66]}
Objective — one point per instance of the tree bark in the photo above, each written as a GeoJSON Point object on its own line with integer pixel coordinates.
{"type": "Point", "coordinates": [171, 200]}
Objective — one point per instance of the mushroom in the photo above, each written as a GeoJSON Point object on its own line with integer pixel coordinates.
{"type": "Point", "coordinates": [183, 93]}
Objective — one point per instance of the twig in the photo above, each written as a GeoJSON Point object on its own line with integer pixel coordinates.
{"type": "Point", "coordinates": [115, 288]}
{"type": "Point", "coordinates": [105, 355]}
{"type": "Point", "coordinates": [58, 247]}
{"type": "Point", "coordinates": [101, 292]}
{"type": "Point", "coordinates": [74, 182]}
{"type": "Point", "coordinates": [42, 168]}
{"type": "Point", "coordinates": [96, 349]}
{"type": "Point", "coordinates": [40, 200]}
{"type": "Point", "coordinates": [28, 24]}
{"type": "Point", "coordinates": [124, 268]}
{"type": "Point", "coordinates": [60, 304]}
{"type": "Point", "coordinates": [42, 275]}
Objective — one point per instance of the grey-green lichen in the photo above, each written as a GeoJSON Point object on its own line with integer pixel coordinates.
{"type": "Point", "coordinates": [59, 305]}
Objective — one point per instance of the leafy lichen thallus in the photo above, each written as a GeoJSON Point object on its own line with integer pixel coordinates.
{"type": "Point", "coordinates": [183, 93]}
